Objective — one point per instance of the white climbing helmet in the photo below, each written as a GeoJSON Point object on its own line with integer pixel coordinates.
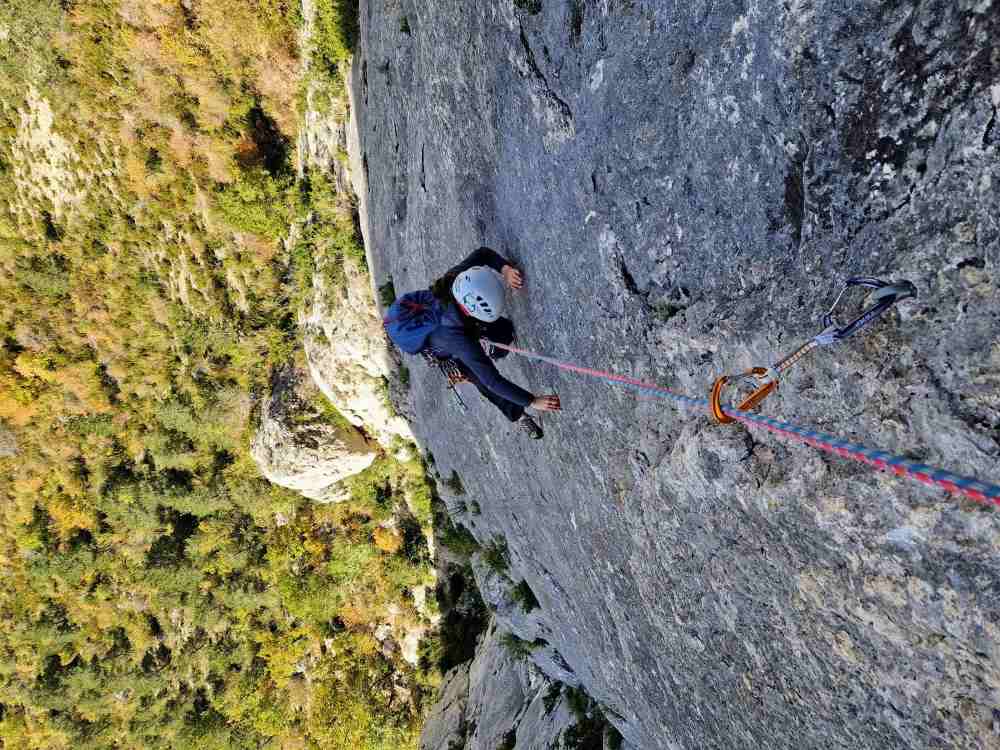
{"type": "Point", "coordinates": [479, 291]}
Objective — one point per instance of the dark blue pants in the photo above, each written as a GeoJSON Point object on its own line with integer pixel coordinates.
{"type": "Point", "coordinates": [501, 331]}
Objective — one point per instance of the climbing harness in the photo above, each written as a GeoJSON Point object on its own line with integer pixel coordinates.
{"type": "Point", "coordinates": [885, 295]}
{"type": "Point", "coordinates": [764, 380]}
{"type": "Point", "coordinates": [449, 368]}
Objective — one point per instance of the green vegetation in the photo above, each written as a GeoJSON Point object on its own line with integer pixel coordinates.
{"type": "Point", "coordinates": [518, 647]}
{"type": "Point", "coordinates": [452, 535]}
{"type": "Point", "coordinates": [454, 483]}
{"type": "Point", "coordinates": [159, 593]}
{"type": "Point", "coordinates": [509, 741]}
{"type": "Point", "coordinates": [464, 618]}
{"type": "Point", "coordinates": [552, 696]}
{"type": "Point", "coordinates": [591, 726]}
{"type": "Point", "coordinates": [387, 293]}
{"type": "Point", "coordinates": [497, 556]}
{"type": "Point", "coordinates": [336, 31]}
{"type": "Point", "coordinates": [523, 595]}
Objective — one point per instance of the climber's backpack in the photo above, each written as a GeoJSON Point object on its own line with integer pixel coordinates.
{"type": "Point", "coordinates": [411, 319]}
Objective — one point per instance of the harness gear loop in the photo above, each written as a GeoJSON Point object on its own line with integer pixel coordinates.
{"type": "Point", "coordinates": [765, 380]}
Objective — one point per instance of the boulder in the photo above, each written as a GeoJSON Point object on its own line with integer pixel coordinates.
{"type": "Point", "coordinates": [300, 447]}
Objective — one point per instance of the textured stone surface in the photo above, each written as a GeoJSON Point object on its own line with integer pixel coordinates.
{"type": "Point", "coordinates": [686, 185]}
{"type": "Point", "coordinates": [445, 723]}
{"type": "Point", "coordinates": [496, 699]}
{"type": "Point", "coordinates": [298, 448]}
{"type": "Point", "coordinates": [8, 442]}
{"type": "Point", "coordinates": [348, 356]}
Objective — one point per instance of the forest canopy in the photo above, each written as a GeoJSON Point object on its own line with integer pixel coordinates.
{"type": "Point", "coordinates": [159, 593]}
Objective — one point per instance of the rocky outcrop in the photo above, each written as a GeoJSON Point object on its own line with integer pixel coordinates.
{"type": "Point", "coordinates": [498, 700]}
{"type": "Point", "coordinates": [300, 447]}
{"type": "Point", "coordinates": [348, 354]}
{"type": "Point", "coordinates": [686, 186]}
{"type": "Point", "coordinates": [347, 351]}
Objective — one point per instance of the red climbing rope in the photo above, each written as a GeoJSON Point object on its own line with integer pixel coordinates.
{"type": "Point", "coordinates": [970, 487]}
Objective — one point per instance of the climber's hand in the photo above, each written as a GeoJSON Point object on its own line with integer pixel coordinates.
{"type": "Point", "coordinates": [513, 277]}
{"type": "Point", "coordinates": [547, 403]}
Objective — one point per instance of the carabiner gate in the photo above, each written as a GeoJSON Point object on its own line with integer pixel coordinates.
{"type": "Point", "coordinates": [764, 380]}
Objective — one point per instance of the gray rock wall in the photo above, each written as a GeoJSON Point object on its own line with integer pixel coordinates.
{"type": "Point", "coordinates": [498, 700]}
{"type": "Point", "coordinates": [686, 186]}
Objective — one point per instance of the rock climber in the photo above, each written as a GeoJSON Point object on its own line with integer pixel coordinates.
{"type": "Point", "coordinates": [469, 301]}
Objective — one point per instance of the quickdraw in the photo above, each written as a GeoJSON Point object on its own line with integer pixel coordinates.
{"type": "Point", "coordinates": [764, 380]}
{"type": "Point", "coordinates": [449, 368]}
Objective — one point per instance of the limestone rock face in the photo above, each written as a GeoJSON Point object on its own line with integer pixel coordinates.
{"type": "Point", "coordinates": [445, 725]}
{"type": "Point", "coordinates": [687, 186]}
{"type": "Point", "coordinates": [497, 700]}
{"type": "Point", "coordinates": [298, 448]}
{"type": "Point", "coordinates": [348, 354]}
{"type": "Point", "coordinates": [347, 351]}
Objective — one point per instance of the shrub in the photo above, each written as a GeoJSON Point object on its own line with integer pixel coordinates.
{"type": "Point", "coordinates": [336, 31]}
{"type": "Point", "coordinates": [456, 537]}
{"type": "Point", "coordinates": [454, 483]}
{"type": "Point", "coordinates": [552, 696]}
{"type": "Point", "coordinates": [518, 647]}
{"type": "Point", "coordinates": [256, 202]}
{"type": "Point", "coordinates": [523, 595]}
{"type": "Point", "coordinates": [591, 726]}
{"type": "Point", "coordinates": [387, 293]}
{"type": "Point", "coordinates": [497, 556]}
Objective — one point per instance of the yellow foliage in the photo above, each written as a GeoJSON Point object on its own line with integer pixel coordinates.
{"type": "Point", "coordinates": [136, 177]}
{"type": "Point", "coordinates": [81, 381]}
{"type": "Point", "coordinates": [388, 540]}
{"type": "Point", "coordinates": [67, 516]}
{"type": "Point", "coordinates": [33, 365]}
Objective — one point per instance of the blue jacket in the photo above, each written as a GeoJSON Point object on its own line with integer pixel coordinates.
{"type": "Point", "coordinates": [450, 340]}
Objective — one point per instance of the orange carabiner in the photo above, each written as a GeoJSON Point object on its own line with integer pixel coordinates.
{"type": "Point", "coordinates": [750, 402]}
